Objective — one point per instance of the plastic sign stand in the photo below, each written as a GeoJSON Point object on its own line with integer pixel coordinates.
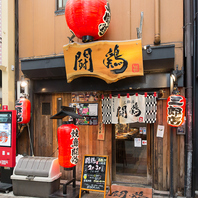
{"type": "Point", "coordinates": [7, 147]}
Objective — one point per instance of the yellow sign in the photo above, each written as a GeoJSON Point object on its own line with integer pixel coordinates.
{"type": "Point", "coordinates": [108, 60]}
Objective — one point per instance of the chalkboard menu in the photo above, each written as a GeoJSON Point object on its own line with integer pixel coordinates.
{"type": "Point", "coordinates": [94, 174]}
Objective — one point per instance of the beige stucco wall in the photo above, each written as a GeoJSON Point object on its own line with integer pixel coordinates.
{"type": "Point", "coordinates": [8, 53]}
{"type": "Point", "coordinates": [43, 33]}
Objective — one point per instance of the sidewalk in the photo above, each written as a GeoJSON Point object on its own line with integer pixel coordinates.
{"type": "Point", "coordinates": [84, 195]}
{"type": "Point", "coordinates": [92, 194]}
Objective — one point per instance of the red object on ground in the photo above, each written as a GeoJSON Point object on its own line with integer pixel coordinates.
{"type": "Point", "coordinates": [68, 142]}
{"type": "Point", "coordinates": [88, 19]}
{"type": "Point", "coordinates": [176, 105]}
{"type": "Point", "coordinates": [23, 107]}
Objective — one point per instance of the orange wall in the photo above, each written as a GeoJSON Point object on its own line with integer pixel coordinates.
{"type": "Point", "coordinates": [43, 33]}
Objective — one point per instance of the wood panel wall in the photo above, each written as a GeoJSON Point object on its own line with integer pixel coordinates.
{"type": "Point", "coordinates": [88, 143]}
{"type": "Point", "coordinates": [43, 133]}
{"type": "Point", "coordinates": [161, 153]}
{"type": "Point", "coordinates": [158, 152]}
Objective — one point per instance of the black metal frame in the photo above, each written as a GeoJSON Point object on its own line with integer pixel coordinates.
{"type": "Point", "coordinates": [70, 181]}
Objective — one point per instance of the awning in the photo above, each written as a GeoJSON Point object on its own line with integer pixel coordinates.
{"type": "Point", "coordinates": [160, 60]}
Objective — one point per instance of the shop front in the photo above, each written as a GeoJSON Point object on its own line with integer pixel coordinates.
{"type": "Point", "coordinates": [138, 153]}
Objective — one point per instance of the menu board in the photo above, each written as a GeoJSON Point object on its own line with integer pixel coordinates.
{"type": "Point", "coordinates": [94, 173]}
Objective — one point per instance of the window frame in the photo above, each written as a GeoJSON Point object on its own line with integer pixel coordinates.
{"type": "Point", "coordinates": [58, 8]}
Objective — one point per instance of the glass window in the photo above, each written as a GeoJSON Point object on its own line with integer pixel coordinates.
{"type": "Point", "coordinates": [131, 149]}
{"type": "Point", "coordinates": [61, 4]}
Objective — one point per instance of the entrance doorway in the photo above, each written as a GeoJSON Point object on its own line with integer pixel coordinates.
{"type": "Point", "coordinates": [131, 148]}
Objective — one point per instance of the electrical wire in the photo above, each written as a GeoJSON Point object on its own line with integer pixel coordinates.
{"type": "Point", "coordinates": [54, 152]}
{"type": "Point", "coordinates": [31, 147]}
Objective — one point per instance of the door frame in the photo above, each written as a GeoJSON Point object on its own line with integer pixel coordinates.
{"type": "Point", "coordinates": [134, 179]}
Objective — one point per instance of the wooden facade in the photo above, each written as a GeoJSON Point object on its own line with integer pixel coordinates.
{"type": "Point", "coordinates": [158, 149]}
{"type": "Point", "coordinates": [42, 33]}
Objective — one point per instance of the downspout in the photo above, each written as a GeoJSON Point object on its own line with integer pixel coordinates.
{"type": "Point", "coordinates": [16, 54]}
{"type": "Point", "coordinates": [188, 55]}
{"type": "Point", "coordinates": [194, 94]}
{"type": "Point", "coordinates": [16, 46]}
{"type": "Point", "coordinates": [157, 22]}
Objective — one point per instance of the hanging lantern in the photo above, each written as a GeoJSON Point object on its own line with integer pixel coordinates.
{"type": "Point", "coordinates": [176, 105]}
{"type": "Point", "coordinates": [68, 142]}
{"type": "Point", "coordinates": [88, 19]}
{"type": "Point", "coordinates": [23, 108]}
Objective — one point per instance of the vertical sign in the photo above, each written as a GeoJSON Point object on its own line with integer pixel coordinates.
{"type": "Point", "coordinates": [176, 105]}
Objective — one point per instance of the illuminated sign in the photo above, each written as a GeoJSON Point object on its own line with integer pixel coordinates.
{"type": "Point", "coordinates": [176, 105]}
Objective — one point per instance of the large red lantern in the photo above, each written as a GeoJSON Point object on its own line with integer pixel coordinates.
{"type": "Point", "coordinates": [88, 19]}
{"type": "Point", "coordinates": [23, 108]}
{"type": "Point", "coordinates": [68, 142]}
{"type": "Point", "coordinates": [176, 105]}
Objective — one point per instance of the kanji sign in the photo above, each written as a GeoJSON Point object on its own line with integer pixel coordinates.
{"type": "Point", "coordinates": [108, 60]}
{"type": "Point", "coordinates": [176, 105]}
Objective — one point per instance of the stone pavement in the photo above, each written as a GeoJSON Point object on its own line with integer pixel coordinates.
{"type": "Point", "coordinates": [91, 194]}
{"type": "Point", "coordinates": [84, 195]}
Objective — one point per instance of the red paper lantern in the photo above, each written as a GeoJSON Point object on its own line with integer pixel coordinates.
{"type": "Point", "coordinates": [23, 108]}
{"type": "Point", "coordinates": [88, 19]}
{"type": "Point", "coordinates": [176, 105]}
{"type": "Point", "coordinates": [68, 142]}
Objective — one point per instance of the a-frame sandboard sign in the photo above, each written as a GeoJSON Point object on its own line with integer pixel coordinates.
{"type": "Point", "coordinates": [95, 174]}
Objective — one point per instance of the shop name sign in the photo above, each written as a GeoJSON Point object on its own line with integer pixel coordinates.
{"type": "Point", "coordinates": [108, 60]}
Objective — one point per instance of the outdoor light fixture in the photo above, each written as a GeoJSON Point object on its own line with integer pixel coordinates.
{"type": "Point", "coordinates": [148, 49]}
{"type": "Point", "coordinates": [175, 75]}
{"type": "Point", "coordinates": [22, 88]}
{"type": "Point", "coordinates": [23, 82]}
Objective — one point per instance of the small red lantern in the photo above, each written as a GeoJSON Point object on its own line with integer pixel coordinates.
{"type": "Point", "coordinates": [23, 108]}
{"type": "Point", "coordinates": [176, 105]}
{"type": "Point", "coordinates": [68, 142]}
{"type": "Point", "coordinates": [88, 19]}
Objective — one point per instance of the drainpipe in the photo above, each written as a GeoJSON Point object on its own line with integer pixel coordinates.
{"type": "Point", "coordinates": [188, 55]}
{"type": "Point", "coordinates": [157, 22]}
{"type": "Point", "coordinates": [194, 93]}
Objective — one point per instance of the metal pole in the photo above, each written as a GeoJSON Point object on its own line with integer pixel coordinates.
{"type": "Point", "coordinates": [194, 183]}
{"type": "Point", "coordinates": [171, 163]}
{"type": "Point", "coordinates": [188, 54]}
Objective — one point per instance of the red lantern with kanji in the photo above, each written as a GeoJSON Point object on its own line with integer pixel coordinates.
{"type": "Point", "coordinates": [68, 143]}
{"type": "Point", "coordinates": [176, 105]}
{"type": "Point", "coordinates": [88, 19]}
{"type": "Point", "coordinates": [23, 108]}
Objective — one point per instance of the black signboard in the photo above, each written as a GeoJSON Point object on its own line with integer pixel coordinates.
{"type": "Point", "coordinates": [94, 173]}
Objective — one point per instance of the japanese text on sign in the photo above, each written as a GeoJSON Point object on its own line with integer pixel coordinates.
{"type": "Point", "coordinates": [75, 144]}
{"type": "Point", "coordinates": [109, 61]}
{"type": "Point", "coordinates": [175, 110]}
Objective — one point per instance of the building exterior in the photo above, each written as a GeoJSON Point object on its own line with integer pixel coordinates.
{"type": "Point", "coordinates": [8, 53]}
{"type": "Point", "coordinates": [43, 33]}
